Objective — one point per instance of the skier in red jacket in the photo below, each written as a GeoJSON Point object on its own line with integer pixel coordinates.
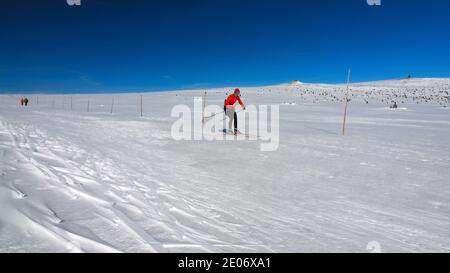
{"type": "Point", "coordinates": [229, 108]}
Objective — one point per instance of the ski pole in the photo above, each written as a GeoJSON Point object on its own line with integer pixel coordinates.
{"type": "Point", "coordinates": [235, 113]}
{"type": "Point", "coordinates": [223, 112]}
{"type": "Point", "coordinates": [215, 115]}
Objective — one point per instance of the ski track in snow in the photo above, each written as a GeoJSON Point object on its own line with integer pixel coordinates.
{"type": "Point", "coordinates": [96, 191]}
{"type": "Point", "coordinates": [72, 181]}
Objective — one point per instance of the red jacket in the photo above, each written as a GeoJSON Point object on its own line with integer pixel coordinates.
{"type": "Point", "coordinates": [231, 100]}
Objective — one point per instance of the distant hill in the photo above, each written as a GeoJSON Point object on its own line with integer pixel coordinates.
{"type": "Point", "coordinates": [295, 82]}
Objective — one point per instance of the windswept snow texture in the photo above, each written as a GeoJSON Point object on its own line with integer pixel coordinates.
{"type": "Point", "coordinates": [79, 181]}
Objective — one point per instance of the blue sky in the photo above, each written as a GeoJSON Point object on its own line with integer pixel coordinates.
{"type": "Point", "coordinates": [144, 45]}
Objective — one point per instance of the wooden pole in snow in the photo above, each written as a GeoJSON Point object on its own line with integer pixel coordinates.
{"type": "Point", "coordinates": [346, 102]}
{"type": "Point", "coordinates": [141, 107]}
{"type": "Point", "coordinates": [203, 109]}
{"type": "Point", "coordinates": [112, 105]}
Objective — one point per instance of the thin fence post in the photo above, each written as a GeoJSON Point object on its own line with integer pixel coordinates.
{"type": "Point", "coordinates": [346, 102]}
{"type": "Point", "coordinates": [141, 107]}
{"type": "Point", "coordinates": [203, 109]}
{"type": "Point", "coordinates": [112, 105]}
{"type": "Point", "coordinates": [88, 104]}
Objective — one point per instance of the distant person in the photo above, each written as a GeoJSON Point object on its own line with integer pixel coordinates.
{"type": "Point", "coordinates": [25, 100]}
{"type": "Point", "coordinates": [22, 100]}
{"type": "Point", "coordinates": [230, 112]}
{"type": "Point", "coordinates": [394, 106]}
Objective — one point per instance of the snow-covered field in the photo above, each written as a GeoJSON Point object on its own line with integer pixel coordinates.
{"type": "Point", "coordinates": [73, 180]}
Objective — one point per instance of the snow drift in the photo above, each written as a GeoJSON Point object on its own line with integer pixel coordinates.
{"type": "Point", "coordinates": [79, 181]}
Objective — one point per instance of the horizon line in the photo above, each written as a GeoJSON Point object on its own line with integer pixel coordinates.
{"type": "Point", "coordinates": [207, 87]}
